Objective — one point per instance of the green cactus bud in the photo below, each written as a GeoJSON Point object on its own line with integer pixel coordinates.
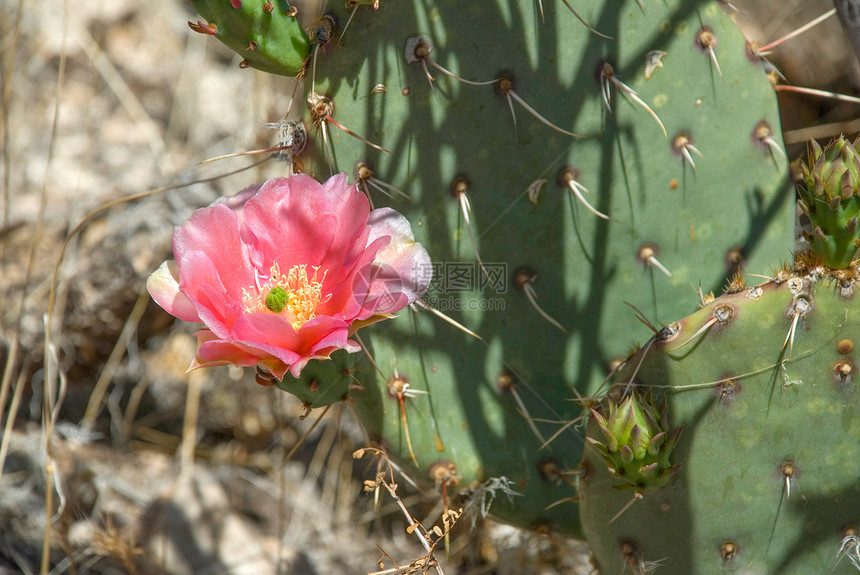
{"type": "Point", "coordinates": [638, 443]}
{"type": "Point", "coordinates": [830, 196]}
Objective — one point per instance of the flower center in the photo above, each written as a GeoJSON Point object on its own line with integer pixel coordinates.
{"type": "Point", "coordinates": [294, 295]}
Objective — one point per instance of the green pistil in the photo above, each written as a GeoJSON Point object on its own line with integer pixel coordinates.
{"type": "Point", "coordinates": [277, 299]}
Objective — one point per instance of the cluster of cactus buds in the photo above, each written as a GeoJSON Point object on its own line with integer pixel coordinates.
{"type": "Point", "coordinates": [638, 441]}
{"type": "Point", "coordinates": [829, 185]}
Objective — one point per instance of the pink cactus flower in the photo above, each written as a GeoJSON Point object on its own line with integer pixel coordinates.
{"type": "Point", "coordinates": [287, 271]}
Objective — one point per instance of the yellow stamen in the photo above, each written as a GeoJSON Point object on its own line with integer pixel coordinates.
{"type": "Point", "coordinates": [304, 294]}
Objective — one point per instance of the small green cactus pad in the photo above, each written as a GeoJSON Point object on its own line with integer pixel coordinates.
{"type": "Point", "coordinates": [322, 382]}
{"type": "Point", "coordinates": [549, 295]}
{"type": "Point", "coordinates": [829, 186]}
{"type": "Point", "coordinates": [264, 32]}
{"type": "Point", "coordinates": [765, 382]}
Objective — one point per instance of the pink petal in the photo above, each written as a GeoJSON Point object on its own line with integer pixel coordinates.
{"type": "Point", "coordinates": [163, 286]}
{"type": "Point", "coordinates": [272, 335]}
{"type": "Point", "coordinates": [388, 222]}
{"type": "Point", "coordinates": [297, 220]}
{"type": "Point", "coordinates": [214, 352]}
{"type": "Point", "coordinates": [405, 266]}
{"type": "Point", "coordinates": [214, 232]}
{"type": "Point", "coordinates": [213, 265]}
{"type": "Point", "coordinates": [237, 201]}
{"type": "Point", "coordinates": [219, 352]}
{"type": "Point", "coordinates": [216, 306]}
{"type": "Point", "coordinates": [324, 353]}
{"type": "Point", "coordinates": [346, 298]}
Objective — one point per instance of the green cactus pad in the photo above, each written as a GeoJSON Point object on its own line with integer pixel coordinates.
{"type": "Point", "coordinates": [549, 296]}
{"type": "Point", "coordinates": [263, 33]}
{"type": "Point", "coordinates": [322, 382]}
{"type": "Point", "coordinates": [765, 383]}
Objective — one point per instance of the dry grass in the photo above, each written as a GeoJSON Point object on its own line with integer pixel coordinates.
{"type": "Point", "coordinates": [113, 459]}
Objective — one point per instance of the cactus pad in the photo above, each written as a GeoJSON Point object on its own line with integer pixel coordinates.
{"type": "Point", "coordinates": [765, 383]}
{"type": "Point", "coordinates": [553, 172]}
{"type": "Point", "coordinates": [265, 33]}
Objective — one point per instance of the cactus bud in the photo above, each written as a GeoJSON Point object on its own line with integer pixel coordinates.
{"type": "Point", "coordinates": [637, 441]}
{"type": "Point", "coordinates": [829, 186]}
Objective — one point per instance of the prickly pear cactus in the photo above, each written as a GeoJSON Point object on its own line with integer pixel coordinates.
{"type": "Point", "coordinates": [637, 442]}
{"type": "Point", "coordinates": [557, 172]}
{"type": "Point", "coordinates": [668, 115]}
{"type": "Point", "coordinates": [763, 380]}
